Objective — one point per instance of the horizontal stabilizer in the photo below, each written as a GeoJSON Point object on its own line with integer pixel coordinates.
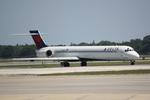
{"type": "Point", "coordinates": [27, 34]}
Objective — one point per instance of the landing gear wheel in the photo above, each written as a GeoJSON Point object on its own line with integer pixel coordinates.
{"type": "Point", "coordinates": [132, 62]}
{"type": "Point", "coordinates": [65, 64]}
{"type": "Point", "coordinates": [83, 63]}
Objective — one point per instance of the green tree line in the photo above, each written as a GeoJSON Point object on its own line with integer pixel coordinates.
{"type": "Point", "coordinates": [8, 51]}
{"type": "Point", "coordinates": [142, 46]}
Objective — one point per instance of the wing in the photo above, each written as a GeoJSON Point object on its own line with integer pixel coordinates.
{"type": "Point", "coordinates": [48, 59]}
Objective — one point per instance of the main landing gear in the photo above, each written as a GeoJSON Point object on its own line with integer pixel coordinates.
{"type": "Point", "coordinates": [67, 64]}
{"type": "Point", "coordinates": [83, 63]}
{"type": "Point", "coordinates": [132, 62]}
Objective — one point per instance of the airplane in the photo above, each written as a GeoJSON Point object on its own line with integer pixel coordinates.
{"type": "Point", "coordinates": [66, 54]}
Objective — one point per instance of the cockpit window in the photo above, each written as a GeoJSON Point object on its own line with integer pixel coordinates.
{"type": "Point", "coordinates": [128, 49]}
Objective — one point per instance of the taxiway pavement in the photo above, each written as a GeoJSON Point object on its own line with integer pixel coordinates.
{"type": "Point", "coordinates": [43, 71]}
{"type": "Point", "coordinates": [95, 87]}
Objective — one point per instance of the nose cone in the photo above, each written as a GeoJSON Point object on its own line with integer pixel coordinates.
{"type": "Point", "coordinates": [135, 55]}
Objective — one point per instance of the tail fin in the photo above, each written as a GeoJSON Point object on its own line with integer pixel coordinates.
{"type": "Point", "coordinates": [37, 39]}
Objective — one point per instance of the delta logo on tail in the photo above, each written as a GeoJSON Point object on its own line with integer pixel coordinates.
{"type": "Point", "coordinates": [37, 39]}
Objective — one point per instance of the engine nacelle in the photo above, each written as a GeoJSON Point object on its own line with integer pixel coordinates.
{"type": "Point", "coordinates": [49, 53]}
{"type": "Point", "coordinates": [45, 53]}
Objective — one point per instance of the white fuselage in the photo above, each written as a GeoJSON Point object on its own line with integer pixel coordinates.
{"type": "Point", "coordinates": [90, 52]}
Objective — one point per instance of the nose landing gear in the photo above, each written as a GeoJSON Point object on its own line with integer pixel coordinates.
{"type": "Point", "coordinates": [132, 62]}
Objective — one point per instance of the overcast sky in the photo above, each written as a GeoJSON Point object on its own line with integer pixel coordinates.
{"type": "Point", "coordinates": [76, 21]}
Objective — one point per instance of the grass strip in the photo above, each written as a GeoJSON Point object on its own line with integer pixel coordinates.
{"type": "Point", "coordinates": [100, 63]}
{"type": "Point", "coordinates": [101, 73]}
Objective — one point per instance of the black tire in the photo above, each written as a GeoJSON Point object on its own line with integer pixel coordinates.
{"type": "Point", "coordinates": [65, 64]}
{"type": "Point", "coordinates": [132, 62]}
{"type": "Point", "coordinates": [83, 63]}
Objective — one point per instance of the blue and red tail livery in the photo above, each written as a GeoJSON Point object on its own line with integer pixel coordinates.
{"type": "Point", "coordinates": [37, 39]}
